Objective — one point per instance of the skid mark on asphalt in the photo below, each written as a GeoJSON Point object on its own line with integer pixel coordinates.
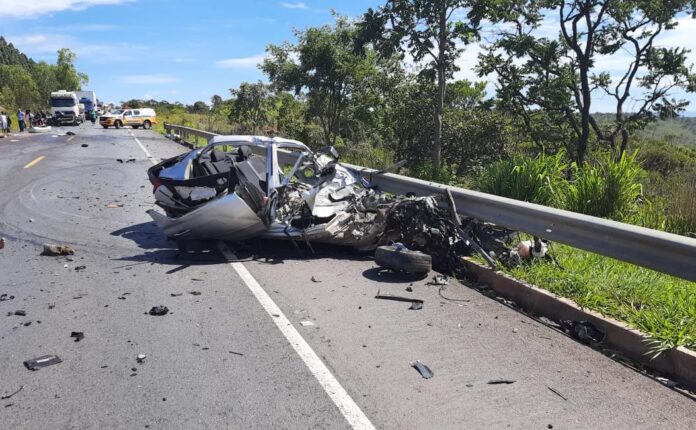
{"type": "Point", "coordinates": [350, 410]}
{"type": "Point", "coordinates": [36, 161]}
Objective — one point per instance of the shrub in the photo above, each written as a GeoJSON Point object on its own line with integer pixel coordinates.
{"type": "Point", "coordinates": [532, 179]}
{"type": "Point", "coordinates": [658, 156]}
{"type": "Point", "coordinates": [681, 207]}
{"type": "Point", "coordinates": [608, 188]}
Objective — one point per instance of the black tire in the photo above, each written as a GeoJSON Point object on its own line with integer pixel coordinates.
{"type": "Point", "coordinates": [118, 124]}
{"type": "Point", "coordinates": [147, 125]}
{"type": "Point", "coordinates": [105, 126]}
{"type": "Point", "coordinates": [403, 260]}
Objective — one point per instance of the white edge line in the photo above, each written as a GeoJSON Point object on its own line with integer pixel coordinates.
{"type": "Point", "coordinates": [143, 148]}
{"type": "Point", "coordinates": [350, 410]}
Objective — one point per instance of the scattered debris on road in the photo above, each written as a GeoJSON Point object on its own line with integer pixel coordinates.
{"type": "Point", "coordinates": [43, 361]}
{"type": "Point", "coordinates": [158, 310]}
{"type": "Point", "coordinates": [176, 294]}
{"type": "Point", "coordinates": [314, 279]}
{"type": "Point", "coordinates": [416, 304]}
{"type": "Point", "coordinates": [306, 323]}
{"type": "Point", "coordinates": [236, 353]}
{"type": "Point", "coordinates": [5, 297]}
{"type": "Point", "coordinates": [195, 293]}
{"type": "Point", "coordinates": [70, 133]}
{"type": "Point", "coordinates": [554, 391]}
{"type": "Point", "coordinates": [56, 250]}
{"type": "Point", "coordinates": [584, 331]}
{"type": "Point", "coordinates": [21, 313]}
{"type": "Point", "coordinates": [439, 279]}
{"type": "Point", "coordinates": [114, 205]}
{"type": "Point", "coordinates": [424, 370]}
{"type": "Point", "coordinates": [140, 358]}
{"type": "Point", "coordinates": [130, 160]}
{"type": "Point", "coordinates": [500, 381]}
{"type": "Point", "coordinates": [80, 268]}
{"type": "Point", "coordinates": [2, 242]}
{"type": "Point", "coordinates": [78, 335]}
{"type": "Point", "coordinates": [8, 396]}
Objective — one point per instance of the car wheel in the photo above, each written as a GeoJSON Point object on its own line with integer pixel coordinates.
{"type": "Point", "coordinates": [403, 260]}
{"type": "Point", "coordinates": [105, 126]}
{"type": "Point", "coordinates": [147, 125]}
{"type": "Point", "coordinates": [118, 124]}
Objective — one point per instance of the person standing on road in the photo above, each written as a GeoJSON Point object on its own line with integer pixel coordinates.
{"type": "Point", "coordinates": [3, 124]}
{"type": "Point", "coordinates": [20, 119]}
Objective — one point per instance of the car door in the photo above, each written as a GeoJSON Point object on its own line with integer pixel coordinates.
{"type": "Point", "coordinates": [127, 117]}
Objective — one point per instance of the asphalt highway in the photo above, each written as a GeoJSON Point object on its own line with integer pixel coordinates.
{"type": "Point", "coordinates": [258, 334]}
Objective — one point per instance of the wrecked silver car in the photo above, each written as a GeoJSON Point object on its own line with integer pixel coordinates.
{"type": "Point", "coordinates": [239, 187]}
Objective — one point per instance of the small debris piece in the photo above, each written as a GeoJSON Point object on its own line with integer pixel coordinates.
{"type": "Point", "coordinates": [84, 145]}
{"type": "Point", "coordinates": [119, 160]}
{"type": "Point", "coordinates": [158, 310]}
{"type": "Point", "coordinates": [584, 331]}
{"type": "Point", "coordinates": [195, 293]}
{"type": "Point", "coordinates": [80, 268]}
{"type": "Point", "coordinates": [439, 280]}
{"type": "Point", "coordinates": [501, 381]}
{"type": "Point", "coordinates": [515, 330]}
{"type": "Point", "coordinates": [7, 396]}
{"type": "Point", "coordinates": [236, 353]}
{"type": "Point", "coordinates": [44, 361]}
{"type": "Point", "coordinates": [140, 358]}
{"type": "Point", "coordinates": [78, 335]}
{"type": "Point", "coordinates": [21, 313]}
{"type": "Point", "coordinates": [409, 289]}
{"type": "Point", "coordinates": [27, 324]}
{"type": "Point", "coordinates": [315, 279]}
{"type": "Point", "coordinates": [424, 370]}
{"type": "Point", "coordinates": [416, 306]}
{"type": "Point", "coordinates": [51, 305]}
{"type": "Point", "coordinates": [70, 133]}
{"type": "Point", "coordinates": [2, 242]}
{"type": "Point", "coordinates": [306, 323]}
{"type": "Point", "coordinates": [557, 393]}
{"type": "Point", "coordinates": [114, 205]}
{"type": "Point", "coordinates": [5, 297]}
{"type": "Point", "coordinates": [176, 294]}
{"type": "Point", "coordinates": [56, 250]}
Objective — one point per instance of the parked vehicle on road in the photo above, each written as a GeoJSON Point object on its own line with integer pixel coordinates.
{"type": "Point", "coordinates": [65, 108]}
{"type": "Point", "coordinates": [136, 118]}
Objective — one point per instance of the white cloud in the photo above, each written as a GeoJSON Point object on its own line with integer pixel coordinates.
{"type": "Point", "coordinates": [34, 8]}
{"type": "Point", "coordinates": [45, 46]}
{"type": "Point", "coordinates": [155, 79]}
{"type": "Point", "coordinates": [296, 5]}
{"type": "Point", "coordinates": [241, 62]}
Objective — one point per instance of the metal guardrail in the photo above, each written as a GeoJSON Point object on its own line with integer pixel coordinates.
{"type": "Point", "coordinates": [664, 252]}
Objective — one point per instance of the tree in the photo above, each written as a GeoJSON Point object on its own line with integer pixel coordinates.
{"type": "Point", "coordinates": [559, 75]}
{"type": "Point", "coordinates": [198, 107]}
{"type": "Point", "coordinates": [18, 88]}
{"type": "Point", "coordinates": [429, 30]}
{"type": "Point", "coordinates": [326, 68]}
{"type": "Point", "coordinates": [69, 79]}
{"type": "Point", "coordinates": [249, 105]}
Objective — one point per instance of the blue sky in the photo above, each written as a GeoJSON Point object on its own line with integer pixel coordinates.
{"type": "Point", "coordinates": [190, 50]}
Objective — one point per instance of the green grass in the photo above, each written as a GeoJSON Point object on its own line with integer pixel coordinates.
{"type": "Point", "coordinates": [661, 306]}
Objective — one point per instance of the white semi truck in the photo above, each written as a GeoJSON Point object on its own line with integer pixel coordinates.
{"type": "Point", "coordinates": [65, 108]}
